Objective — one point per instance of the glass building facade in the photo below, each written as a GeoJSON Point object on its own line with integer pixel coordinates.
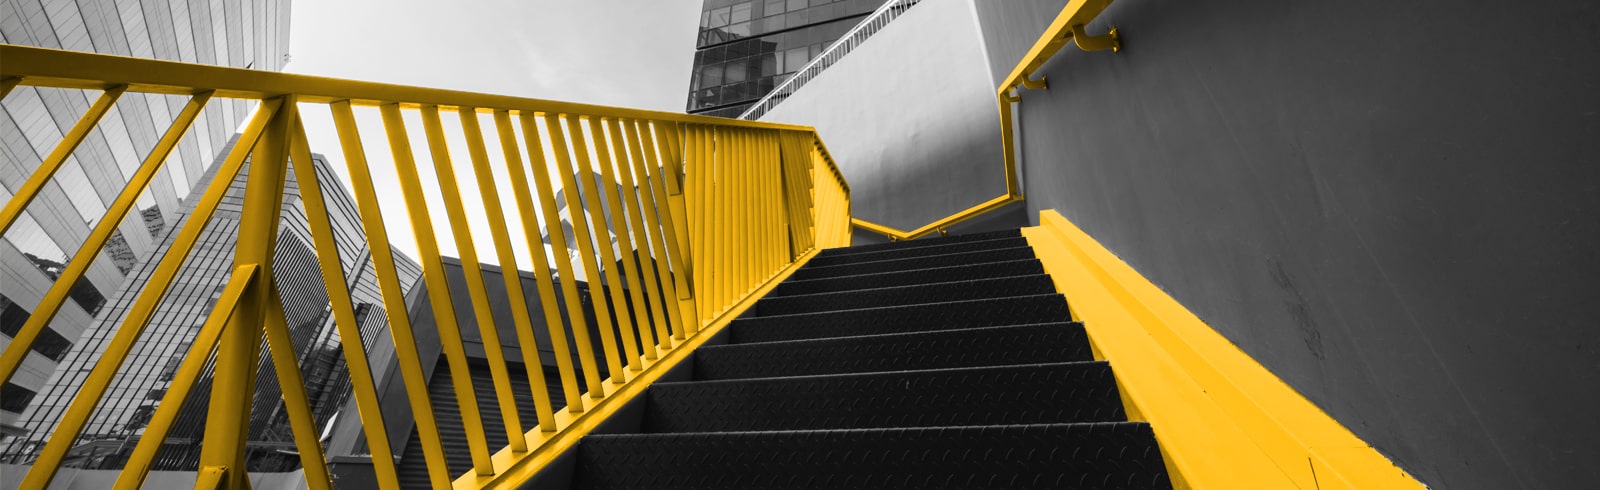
{"type": "Point", "coordinates": [130, 402]}
{"type": "Point", "coordinates": [747, 47]}
{"type": "Point", "coordinates": [250, 34]}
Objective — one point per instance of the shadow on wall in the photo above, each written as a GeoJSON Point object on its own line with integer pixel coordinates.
{"type": "Point", "coordinates": [1393, 216]}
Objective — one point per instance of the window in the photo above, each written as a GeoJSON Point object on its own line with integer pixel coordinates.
{"type": "Point", "coordinates": [740, 13]}
{"type": "Point", "coordinates": [86, 295]}
{"type": "Point", "coordinates": [15, 398]}
{"type": "Point", "coordinates": [735, 72]}
{"type": "Point", "coordinates": [796, 5]}
{"type": "Point", "coordinates": [795, 59]}
{"type": "Point", "coordinates": [171, 368]}
{"type": "Point", "coordinates": [772, 7]}
{"type": "Point", "coordinates": [719, 17]}
{"type": "Point", "coordinates": [740, 30]}
{"type": "Point", "coordinates": [711, 75]}
{"type": "Point", "coordinates": [49, 343]}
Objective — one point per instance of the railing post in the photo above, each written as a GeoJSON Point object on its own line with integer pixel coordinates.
{"type": "Point", "coordinates": [238, 352]}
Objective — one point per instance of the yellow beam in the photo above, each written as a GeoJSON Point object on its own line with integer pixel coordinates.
{"type": "Point", "coordinates": [1222, 419]}
{"type": "Point", "coordinates": [58, 156]}
{"type": "Point", "coordinates": [71, 69]}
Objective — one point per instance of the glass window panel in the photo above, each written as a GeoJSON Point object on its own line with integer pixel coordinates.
{"type": "Point", "coordinates": [740, 13]}
{"type": "Point", "coordinates": [15, 398]}
{"type": "Point", "coordinates": [771, 24]}
{"type": "Point", "coordinates": [711, 75]}
{"type": "Point", "coordinates": [795, 59]}
{"type": "Point", "coordinates": [794, 19]}
{"type": "Point", "coordinates": [769, 65]}
{"type": "Point", "coordinates": [735, 72]}
{"type": "Point", "coordinates": [740, 30]}
{"type": "Point", "coordinates": [816, 49]}
{"type": "Point", "coordinates": [710, 97]}
{"type": "Point", "coordinates": [719, 17]}
{"type": "Point", "coordinates": [796, 5]}
{"type": "Point", "coordinates": [715, 55]}
{"type": "Point", "coordinates": [773, 7]}
{"type": "Point", "coordinates": [705, 19]}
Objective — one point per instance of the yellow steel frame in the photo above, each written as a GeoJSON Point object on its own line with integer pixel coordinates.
{"type": "Point", "coordinates": [1068, 27]}
{"type": "Point", "coordinates": [713, 212]}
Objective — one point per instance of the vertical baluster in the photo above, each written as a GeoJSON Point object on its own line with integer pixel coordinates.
{"type": "Point", "coordinates": [586, 248]}
{"type": "Point", "coordinates": [626, 327]}
{"type": "Point", "coordinates": [642, 202]}
{"type": "Point", "coordinates": [629, 256]}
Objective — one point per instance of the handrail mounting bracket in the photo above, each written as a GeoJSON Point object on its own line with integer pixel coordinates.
{"type": "Point", "coordinates": [1111, 40]}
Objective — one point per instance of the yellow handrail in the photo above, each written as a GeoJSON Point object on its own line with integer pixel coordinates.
{"type": "Point", "coordinates": [1067, 27]}
{"type": "Point", "coordinates": [716, 211]}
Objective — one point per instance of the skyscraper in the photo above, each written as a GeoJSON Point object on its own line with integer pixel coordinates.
{"type": "Point", "coordinates": [747, 47]}
{"type": "Point", "coordinates": [128, 405]}
{"type": "Point", "coordinates": [232, 33]}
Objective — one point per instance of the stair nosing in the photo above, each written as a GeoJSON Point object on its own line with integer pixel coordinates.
{"type": "Point", "coordinates": [834, 278]}
{"type": "Point", "coordinates": [888, 373]}
{"type": "Point", "coordinates": [921, 285]}
{"type": "Point", "coordinates": [878, 335]}
{"type": "Point", "coordinates": [952, 244]}
{"type": "Point", "coordinates": [1002, 298]}
{"type": "Point", "coordinates": [856, 264]}
{"type": "Point", "coordinates": [859, 429]}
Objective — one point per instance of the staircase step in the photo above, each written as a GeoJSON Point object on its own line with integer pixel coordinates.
{"type": "Point", "coordinates": [907, 295]}
{"type": "Point", "coordinates": [989, 270]}
{"type": "Point", "coordinates": [921, 242]}
{"type": "Point", "coordinates": [906, 253]}
{"type": "Point", "coordinates": [923, 262]}
{"type": "Point", "coordinates": [969, 347]}
{"type": "Point", "coordinates": [994, 395]}
{"type": "Point", "coordinates": [1018, 310]}
{"type": "Point", "coordinates": [1091, 455]}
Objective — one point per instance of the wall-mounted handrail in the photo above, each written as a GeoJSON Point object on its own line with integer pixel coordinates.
{"type": "Point", "coordinates": [1066, 28]}
{"type": "Point", "coordinates": [868, 26]}
{"type": "Point", "coordinates": [718, 211]}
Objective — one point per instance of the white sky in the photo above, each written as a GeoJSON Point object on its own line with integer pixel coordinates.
{"type": "Point", "coordinates": [626, 53]}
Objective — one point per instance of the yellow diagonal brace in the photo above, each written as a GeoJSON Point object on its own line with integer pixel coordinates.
{"type": "Point", "coordinates": [51, 163]}
{"type": "Point", "coordinates": [286, 363]}
{"type": "Point", "coordinates": [337, 285]}
{"type": "Point", "coordinates": [394, 299]}
{"type": "Point", "coordinates": [82, 406]}
{"type": "Point", "coordinates": [543, 406]}
{"type": "Point", "coordinates": [586, 247]}
{"type": "Point", "coordinates": [558, 241]}
{"type": "Point", "coordinates": [627, 328]}
{"type": "Point", "coordinates": [183, 380]}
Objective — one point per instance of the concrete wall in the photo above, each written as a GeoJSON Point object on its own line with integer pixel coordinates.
{"type": "Point", "coordinates": [75, 479]}
{"type": "Point", "coordinates": [1391, 205]}
{"type": "Point", "coordinates": [910, 117]}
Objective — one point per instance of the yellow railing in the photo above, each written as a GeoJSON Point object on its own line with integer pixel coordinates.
{"type": "Point", "coordinates": [725, 209]}
{"type": "Point", "coordinates": [1068, 27]}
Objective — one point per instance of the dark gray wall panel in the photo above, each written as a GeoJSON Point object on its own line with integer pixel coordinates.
{"type": "Point", "coordinates": [1391, 205]}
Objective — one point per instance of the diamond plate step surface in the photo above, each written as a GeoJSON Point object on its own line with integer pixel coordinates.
{"type": "Point", "coordinates": [922, 242]}
{"type": "Point", "coordinates": [972, 347]}
{"type": "Point", "coordinates": [923, 262]}
{"type": "Point", "coordinates": [906, 253]}
{"type": "Point", "coordinates": [1094, 455]}
{"type": "Point", "coordinates": [998, 395]}
{"type": "Point", "coordinates": [907, 295]}
{"type": "Point", "coordinates": [909, 277]}
{"type": "Point", "coordinates": [1020, 310]}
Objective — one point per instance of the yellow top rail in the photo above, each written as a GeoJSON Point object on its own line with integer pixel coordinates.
{"type": "Point", "coordinates": [1068, 27]}
{"type": "Point", "coordinates": [716, 210]}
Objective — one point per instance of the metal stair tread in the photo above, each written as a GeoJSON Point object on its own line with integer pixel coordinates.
{"type": "Point", "coordinates": [989, 288]}
{"type": "Point", "coordinates": [924, 242]}
{"type": "Point", "coordinates": [962, 258]}
{"type": "Point", "coordinates": [906, 253]}
{"type": "Point", "coordinates": [1025, 267]}
{"type": "Point", "coordinates": [991, 312]}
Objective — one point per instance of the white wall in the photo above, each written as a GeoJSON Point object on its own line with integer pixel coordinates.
{"type": "Point", "coordinates": [910, 116]}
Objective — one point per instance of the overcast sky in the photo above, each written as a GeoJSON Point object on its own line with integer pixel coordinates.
{"type": "Point", "coordinates": [626, 53]}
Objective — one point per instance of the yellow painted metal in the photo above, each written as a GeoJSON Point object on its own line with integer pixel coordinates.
{"type": "Point", "coordinates": [477, 292]}
{"type": "Point", "coordinates": [122, 342]}
{"type": "Point", "coordinates": [183, 380]}
{"type": "Point", "coordinates": [627, 239]}
{"type": "Point", "coordinates": [575, 192]}
{"type": "Point", "coordinates": [47, 168]}
{"type": "Point", "coordinates": [521, 321]}
{"type": "Point", "coordinates": [238, 350]}
{"type": "Point", "coordinates": [394, 300]}
{"type": "Point", "coordinates": [210, 477]}
{"type": "Point", "coordinates": [343, 308]}
{"type": "Point", "coordinates": [650, 205]}
{"type": "Point", "coordinates": [523, 468]}
{"type": "Point", "coordinates": [558, 240]}
{"type": "Point", "coordinates": [674, 169]}
{"type": "Point", "coordinates": [530, 226]}
{"type": "Point", "coordinates": [439, 297]}
{"type": "Point", "coordinates": [626, 327]}
{"type": "Point", "coordinates": [7, 84]}
{"type": "Point", "coordinates": [72, 69]}
{"type": "Point", "coordinates": [679, 298]}
{"type": "Point", "coordinates": [648, 244]}
{"type": "Point", "coordinates": [57, 295]}
{"type": "Point", "coordinates": [1223, 420]}
{"type": "Point", "coordinates": [302, 423]}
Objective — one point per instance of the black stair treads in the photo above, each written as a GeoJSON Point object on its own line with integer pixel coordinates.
{"type": "Point", "coordinates": [969, 347]}
{"type": "Point", "coordinates": [1019, 310]}
{"type": "Point", "coordinates": [995, 395]}
{"type": "Point", "coordinates": [907, 295]}
{"type": "Point", "coordinates": [924, 262]}
{"type": "Point", "coordinates": [989, 270]}
{"type": "Point", "coordinates": [1094, 455]}
{"type": "Point", "coordinates": [906, 253]}
{"type": "Point", "coordinates": [921, 242]}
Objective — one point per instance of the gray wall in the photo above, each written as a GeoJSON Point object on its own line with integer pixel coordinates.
{"type": "Point", "coordinates": [910, 118]}
{"type": "Point", "coordinates": [1391, 205]}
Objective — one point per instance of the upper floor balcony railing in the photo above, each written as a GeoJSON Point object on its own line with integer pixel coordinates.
{"type": "Point", "coordinates": [721, 208]}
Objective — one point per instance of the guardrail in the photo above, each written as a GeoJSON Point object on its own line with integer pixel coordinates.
{"type": "Point", "coordinates": [1068, 27]}
{"type": "Point", "coordinates": [874, 22]}
{"type": "Point", "coordinates": [724, 207]}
